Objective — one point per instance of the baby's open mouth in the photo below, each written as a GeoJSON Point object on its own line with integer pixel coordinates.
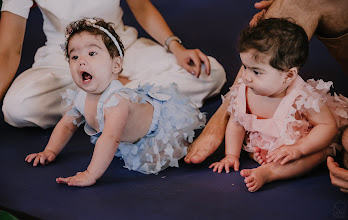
{"type": "Point", "coordinates": [86, 77]}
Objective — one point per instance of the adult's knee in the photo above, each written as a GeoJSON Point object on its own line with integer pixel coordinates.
{"type": "Point", "coordinates": [217, 72]}
{"type": "Point", "coordinates": [16, 111]}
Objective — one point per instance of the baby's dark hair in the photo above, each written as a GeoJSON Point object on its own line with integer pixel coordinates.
{"type": "Point", "coordinates": [285, 41]}
{"type": "Point", "coordinates": [86, 24]}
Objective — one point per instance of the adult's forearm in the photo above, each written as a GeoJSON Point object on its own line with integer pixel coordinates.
{"type": "Point", "coordinates": [8, 69]}
{"type": "Point", "coordinates": [150, 19]}
{"type": "Point", "coordinates": [12, 30]}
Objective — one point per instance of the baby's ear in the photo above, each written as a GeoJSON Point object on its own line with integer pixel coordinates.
{"type": "Point", "coordinates": [117, 65]}
{"type": "Point", "coordinates": [292, 74]}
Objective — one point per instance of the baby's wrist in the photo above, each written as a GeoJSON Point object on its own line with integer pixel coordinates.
{"type": "Point", "coordinates": [51, 151]}
{"type": "Point", "coordinates": [231, 155]}
{"type": "Point", "coordinates": [92, 175]}
{"type": "Point", "coordinates": [300, 149]}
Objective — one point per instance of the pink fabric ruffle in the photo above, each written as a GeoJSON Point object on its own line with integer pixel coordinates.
{"type": "Point", "coordinates": [290, 124]}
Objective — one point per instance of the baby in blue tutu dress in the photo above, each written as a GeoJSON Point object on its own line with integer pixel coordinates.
{"type": "Point", "coordinates": [149, 127]}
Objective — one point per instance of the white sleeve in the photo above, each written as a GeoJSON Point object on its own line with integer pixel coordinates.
{"type": "Point", "coordinates": [18, 7]}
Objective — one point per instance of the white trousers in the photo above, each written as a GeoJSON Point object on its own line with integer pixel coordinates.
{"type": "Point", "coordinates": [34, 98]}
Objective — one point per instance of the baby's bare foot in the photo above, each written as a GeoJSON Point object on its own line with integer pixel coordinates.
{"type": "Point", "coordinates": [257, 155]}
{"type": "Point", "coordinates": [255, 178]}
{"type": "Point", "coordinates": [260, 155]}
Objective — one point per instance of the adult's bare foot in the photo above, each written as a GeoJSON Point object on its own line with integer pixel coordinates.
{"type": "Point", "coordinates": [211, 137]}
{"type": "Point", "coordinates": [203, 147]}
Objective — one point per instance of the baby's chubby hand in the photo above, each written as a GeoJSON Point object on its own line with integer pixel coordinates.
{"type": "Point", "coordinates": [229, 161]}
{"type": "Point", "coordinates": [284, 154]}
{"type": "Point", "coordinates": [43, 157]}
{"type": "Point", "coordinates": [80, 179]}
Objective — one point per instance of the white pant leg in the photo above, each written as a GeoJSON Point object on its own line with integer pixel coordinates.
{"type": "Point", "coordinates": [146, 61]}
{"type": "Point", "coordinates": [34, 98]}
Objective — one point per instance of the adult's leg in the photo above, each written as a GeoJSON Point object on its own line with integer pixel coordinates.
{"type": "Point", "coordinates": [34, 98]}
{"type": "Point", "coordinates": [148, 62]}
{"type": "Point", "coordinates": [212, 135]}
{"type": "Point", "coordinates": [210, 138]}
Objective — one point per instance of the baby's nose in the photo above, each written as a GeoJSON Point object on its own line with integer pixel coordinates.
{"type": "Point", "coordinates": [247, 77]}
{"type": "Point", "coordinates": [82, 62]}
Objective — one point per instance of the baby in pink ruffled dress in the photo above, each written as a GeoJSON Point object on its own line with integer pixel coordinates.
{"type": "Point", "coordinates": [286, 124]}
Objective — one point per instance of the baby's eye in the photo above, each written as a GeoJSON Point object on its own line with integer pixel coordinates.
{"type": "Point", "coordinates": [244, 66]}
{"type": "Point", "coordinates": [92, 53]}
{"type": "Point", "coordinates": [74, 57]}
{"type": "Point", "coordinates": [257, 73]}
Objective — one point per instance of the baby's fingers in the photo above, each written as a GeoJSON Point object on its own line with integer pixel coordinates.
{"type": "Point", "coordinates": [227, 168]}
{"type": "Point", "coordinates": [30, 157]}
{"type": "Point", "coordinates": [278, 157]}
{"type": "Point", "coordinates": [213, 164]}
{"type": "Point", "coordinates": [43, 160]}
{"type": "Point", "coordinates": [236, 166]}
{"type": "Point", "coordinates": [286, 159]}
{"type": "Point", "coordinates": [64, 180]}
{"type": "Point", "coordinates": [275, 156]}
{"type": "Point", "coordinates": [272, 154]}
{"type": "Point", "coordinates": [221, 167]}
{"type": "Point", "coordinates": [37, 160]}
{"type": "Point", "coordinates": [271, 157]}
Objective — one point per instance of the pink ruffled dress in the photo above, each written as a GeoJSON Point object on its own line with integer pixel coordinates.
{"type": "Point", "coordinates": [289, 122]}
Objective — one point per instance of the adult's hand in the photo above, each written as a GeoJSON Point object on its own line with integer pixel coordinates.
{"type": "Point", "coordinates": [339, 176]}
{"type": "Point", "coordinates": [190, 59]}
{"type": "Point", "coordinates": [263, 6]}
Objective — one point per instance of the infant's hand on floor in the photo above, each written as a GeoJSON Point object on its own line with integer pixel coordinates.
{"type": "Point", "coordinates": [284, 154]}
{"type": "Point", "coordinates": [227, 162]}
{"type": "Point", "coordinates": [80, 179]}
{"type": "Point", "coordinates": [43, 157]}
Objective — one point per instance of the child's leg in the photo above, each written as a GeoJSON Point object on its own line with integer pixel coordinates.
{"type": "Point", "coordinates": [256, 178]}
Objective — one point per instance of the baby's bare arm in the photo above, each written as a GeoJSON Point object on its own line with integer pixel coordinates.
{"type": "Point", "coordinates": [321, 135]}
{"type": "Point", "coordinates": [323, 132]}
{"type": "Point", "coordinates": [234, 137]}
{"type": "Point", "coordinates": [115, 118]}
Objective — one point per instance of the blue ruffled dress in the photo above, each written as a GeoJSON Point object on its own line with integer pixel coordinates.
{"type": "Point", "coordinates": [174, 120]}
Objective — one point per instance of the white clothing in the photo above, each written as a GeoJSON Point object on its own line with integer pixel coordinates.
{"type": "Point", "coordinates": [34, 97]}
